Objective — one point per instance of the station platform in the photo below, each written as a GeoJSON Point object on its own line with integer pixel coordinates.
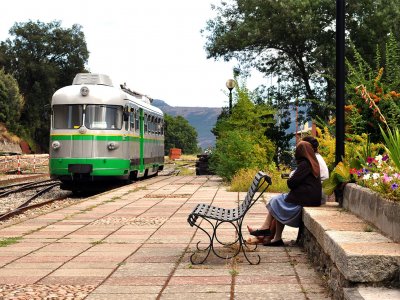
{"type": "Point", "coordinates": [134, 243]}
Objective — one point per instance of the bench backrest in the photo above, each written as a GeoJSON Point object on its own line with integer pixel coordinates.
{"type": "Point", "coordinates": [256, 186]}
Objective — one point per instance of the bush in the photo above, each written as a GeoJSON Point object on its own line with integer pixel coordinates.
{"type": "Point", "coordinates": [242, 180]}
{"type": "Point", "coordinates": [239, 149]}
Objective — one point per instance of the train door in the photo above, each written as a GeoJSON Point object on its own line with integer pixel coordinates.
{"type": "Point", "coordinates": [141, 140]}
{"type": "Point", "coordinates": [125, 134]}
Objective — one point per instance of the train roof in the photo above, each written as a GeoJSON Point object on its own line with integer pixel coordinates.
{"type": "Point", "coordinates": [89, 88]}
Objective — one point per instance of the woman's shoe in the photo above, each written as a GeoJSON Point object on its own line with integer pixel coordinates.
{"type": "Point", "coordinates": [261, 232]}
{"type": "Point", "coordinates": [277, 243]}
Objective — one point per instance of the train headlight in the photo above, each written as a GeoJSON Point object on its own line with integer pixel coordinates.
{"type": "Point", "coordinates": [84, 91]}
{"type": "Point", "coordinates": [112, 145]}
{"type": "Point", "coordinates": [55, 145]}
{"type": "Point", "coordinates": [82, 130]}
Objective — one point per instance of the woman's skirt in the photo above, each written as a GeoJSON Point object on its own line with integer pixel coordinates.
{"type": "Point", "coordinates": [284, 212]}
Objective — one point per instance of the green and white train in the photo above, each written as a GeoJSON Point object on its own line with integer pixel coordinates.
{"type": "Point", "coordinates": [100, 132]}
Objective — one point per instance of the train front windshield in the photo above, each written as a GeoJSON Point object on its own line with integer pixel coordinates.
{"type": "Point", "coordinates": [103, 117]}
{"type": "Point", "coordinates": [94, 116]}
{"type": "Point", "coordinates": [67, 116]}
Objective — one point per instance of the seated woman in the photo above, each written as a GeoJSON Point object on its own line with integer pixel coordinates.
{"type": "Point", "coordinates": [305, 190]}
{"type": "Point", "coordinates": [323, 168]}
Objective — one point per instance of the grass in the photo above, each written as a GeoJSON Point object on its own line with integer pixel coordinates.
{"type": "Point", "coordinates": [136, 189]}
{"type": "Point", "coordinates": [243, 178]}
{"type": "Point", "coordinates": [184, 158]}
{"type": "Point", "coordinates": [94, 243]}
{"type": "Point", "coordinates": [233, 272]}
{"type": "Point", "coordinates": [185, 165]}
{"type": "Point", "coordinates": [368, 228]}
{"type": "Point", "coordinates": [187, 171]}
{"type": "Point", "coordinates": [9, 241]}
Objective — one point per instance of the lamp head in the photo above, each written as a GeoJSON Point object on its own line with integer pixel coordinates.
{"type": "Point", "coordinates": [230, 84]}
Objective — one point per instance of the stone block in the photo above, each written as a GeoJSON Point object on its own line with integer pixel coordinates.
{"type": "Point", "coordinates": [360, 255]}
{"type": "Point", "coordinates": [368, 205]}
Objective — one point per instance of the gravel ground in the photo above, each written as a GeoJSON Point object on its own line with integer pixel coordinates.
{"type": "Point", "coordinates": [13, 200]}
{"type": "Point", "coordinates": [44, 292]}
{"type": "Point", "coordinates": [136, 221]}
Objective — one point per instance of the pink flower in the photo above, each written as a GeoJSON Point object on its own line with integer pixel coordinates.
{"type": "Point", "coordinates": [386, 178]}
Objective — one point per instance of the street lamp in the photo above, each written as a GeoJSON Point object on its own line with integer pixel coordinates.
{"type": "Point", "coordinates": [230, 84]}
{"type": "Point", "coordinates": [340, 79]}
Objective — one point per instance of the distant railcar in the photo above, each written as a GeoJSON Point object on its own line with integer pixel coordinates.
{"type": "Point", "coordinates": [101, 132]}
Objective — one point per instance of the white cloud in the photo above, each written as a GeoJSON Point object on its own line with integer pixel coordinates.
{"type": "Point", "coordinates": [154, 46]}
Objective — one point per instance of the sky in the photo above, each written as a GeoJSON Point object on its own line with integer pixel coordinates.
{"type": "Point", "coordinates": [154, 46]}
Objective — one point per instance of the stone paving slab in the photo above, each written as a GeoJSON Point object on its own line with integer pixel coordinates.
{"type": "Point", "coordinates": [135, 243]}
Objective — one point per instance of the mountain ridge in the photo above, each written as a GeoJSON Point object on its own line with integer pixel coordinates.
{"type": "Point", "coordinates": [203, 119]}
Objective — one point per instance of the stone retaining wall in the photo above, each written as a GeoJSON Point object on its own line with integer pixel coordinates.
{"type": "Point", "coordinates": [333, 277]}
{"type": "Point", "coordinates": [347, 252]}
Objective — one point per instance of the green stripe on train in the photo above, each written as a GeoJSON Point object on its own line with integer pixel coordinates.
{"type": "Point", "coordinates": [118, 138]}
{"type": "Point", "coordinates": [101, 166]}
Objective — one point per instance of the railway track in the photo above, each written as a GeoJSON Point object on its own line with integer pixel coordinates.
{"type": "Point", "coordinates": [20, 197]}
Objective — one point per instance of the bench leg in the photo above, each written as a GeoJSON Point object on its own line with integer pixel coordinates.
{"type": "Point", "coordinates": [243, 245]}
{"type": "Point", "coordinates": [208, 248]}
{"type": "Point", "coordinates": [239, 243]}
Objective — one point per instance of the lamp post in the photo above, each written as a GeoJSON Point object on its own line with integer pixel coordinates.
{"type": "Point", "coordinates": [340, 88]}
{"type": "Point", "coordinates": [230, 84]}
{"type": "Point", "coordinates": [340, 79]}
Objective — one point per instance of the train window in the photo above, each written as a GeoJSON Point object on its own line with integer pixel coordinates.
{"type": "Point", "coordinates": [152, 125]}
{"type": "Point", "coordinates": [145, 123]}
{"type": "Point", "coordinates": [158, 126]}
{"type": "Point", "coordinates": [67, 116]}
{"type": "Point", "coordinates": [162, 127]}
{"type": "Point", "coordinates": [137, 120]}
{"type": "Point", "coordinates": [132, 121]}
{"type": "Point", "coordinates": [103, 117]}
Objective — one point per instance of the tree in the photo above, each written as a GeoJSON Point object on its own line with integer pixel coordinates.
{"type": "Point", "coordinates": [293, 40]}
{"type": "Point", "coordinates": [42, 58]}
{"type": "Point", "coordinates": [180, 134]}
{"type": "Point", "coordinates": [11, 101]}
{"type": "Point", "coordinates": [237, 149]}
{"type": "Point", "coordinates": [241, 136]}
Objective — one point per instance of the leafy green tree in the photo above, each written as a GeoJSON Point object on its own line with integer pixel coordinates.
{"type": "Point", "coordinates": [245, 114]}
{"type": "Point", "coordinates": [42, 57]}
{"type": "Point", "coordinates": [180, 134]}
{"type": "Point", "coordinates": [241, 139]}
{"type": "Point", "coordinates": [283, 109]}
{"type": "Point", "coordinates": [11, 101]}
{"type": "Point", "coordinates": [237, 149]}
{"type": "Point", "coordinates": [292, 40]}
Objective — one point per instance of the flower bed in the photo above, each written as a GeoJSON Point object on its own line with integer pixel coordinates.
{"type": "Point", "coordinates": [380, 177]}
{"type": "Point", "coordinates": [370, 206]}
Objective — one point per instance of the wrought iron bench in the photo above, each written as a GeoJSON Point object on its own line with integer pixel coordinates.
{"type": "Point", "coordinates": [217, 216]}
